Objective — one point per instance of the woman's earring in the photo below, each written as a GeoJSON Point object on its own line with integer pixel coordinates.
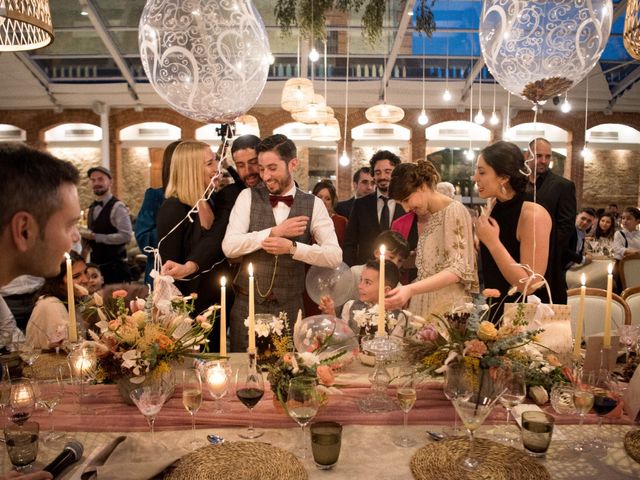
{"type": "Point", "coordinates": [503, 190]}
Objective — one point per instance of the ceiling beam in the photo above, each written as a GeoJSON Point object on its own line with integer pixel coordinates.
{"type": "Point", "coordinates": [475, 71]}
{"type": "Point", "coordinates": [108, 42]}
{"type": "Point", "coordinates": [622, 88]}
{"type": "Point", "coordinates": [397, 43]}
{"type": "Point", "coordinates": [38, 74]}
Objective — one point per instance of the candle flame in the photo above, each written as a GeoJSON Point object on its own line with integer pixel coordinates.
{"type": "Point", "coordinates": [610, 268]}
{"type": "Point", "coordinates": [583, 279]}
{"type": "Point", "coordinates": [223, 281]}
{"type": "Point", "coordinates": [382, 250]}
{"type": "Point", "coordinates": [251, 269]}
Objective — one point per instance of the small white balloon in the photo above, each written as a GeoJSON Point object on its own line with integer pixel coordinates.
{"type": "Point", "coordinates": [335, 282]}
{"type": "Point", "coordinates": [208, 60]}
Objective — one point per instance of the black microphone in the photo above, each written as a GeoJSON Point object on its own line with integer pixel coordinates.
{"type": "Point", "coordinates": [71, 453]}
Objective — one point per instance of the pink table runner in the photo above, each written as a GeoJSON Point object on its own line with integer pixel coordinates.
{"type": "Point", "coordinates": [105, 411]}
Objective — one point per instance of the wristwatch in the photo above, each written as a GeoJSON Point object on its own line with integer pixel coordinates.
{"type": "Point", "coordinates": [293, 248]}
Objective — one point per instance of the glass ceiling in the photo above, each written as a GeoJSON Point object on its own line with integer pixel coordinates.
{"type": "Point", "coordinates": [79, 55]}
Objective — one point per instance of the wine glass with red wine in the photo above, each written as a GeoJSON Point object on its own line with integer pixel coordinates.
{"type": "Point", "coordinates": [605, 400]}
{"type": "Point", "coordinates": [249, 390]}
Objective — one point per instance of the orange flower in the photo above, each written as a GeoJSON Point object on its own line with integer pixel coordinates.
{"type": "Point", "coordinates": [491, 293]}
{"type": "Point", "coordinates": [119, 294]}
{"type": "Point", "coordinates": [325, 375]}
{"type": "Point", "coordinates": [165, 342]}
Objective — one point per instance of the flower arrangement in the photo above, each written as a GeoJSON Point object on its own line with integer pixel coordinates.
{"type": "Point", "coordinates": [466, 335]}
{"type": "Point", "coordinates": [366, 321]}
{"type": "Point", "coordinates": [317, 362]}
{"type": "Point", "coordinates": [143, 338]}
{"type": "Point", "coordinates": [272, 336]}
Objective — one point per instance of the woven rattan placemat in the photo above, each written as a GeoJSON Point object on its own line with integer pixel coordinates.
{"type": "Point", "coordinates": [238, 460]}
{"type": "Point", "coordinates": [443, 461]}
{"type": "Point", "coordinates": [632, 444]}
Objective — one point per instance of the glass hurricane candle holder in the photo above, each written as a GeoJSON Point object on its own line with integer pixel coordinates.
{"type": "Point", "coordinates": [383, 348]}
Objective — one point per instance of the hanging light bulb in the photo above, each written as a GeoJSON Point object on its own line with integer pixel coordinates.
{"type": "Point", "coordinates": [314, 56]}
{"type": "Point", "coordinates": [479, 118]}
{"type": "Point", "coordinates": [469, 154]}
{"type": "Point", "coordinates": [384, 111]}
{"type": "Point", "coordinates": [494, 120]}
{"type": "Point", "coordinates": [446, 96]}
{"type": "Point", "coordinates": [423, 119]}
{"type": "Point", "coordinates": [566, 106]}
{"type": "Point", "coordinates": [344, 159]}
{"type": "Point", "coordinates": [313, 110]}
{"type": "Point", "coordinates": [585, 151]}
{"type": "Point", "coordinates": [271, 59]}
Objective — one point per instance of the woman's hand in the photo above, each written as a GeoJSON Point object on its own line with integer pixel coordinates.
{"type": "Point", "coordinates": [327, 306]}
{"type": "Point", "coordinates": [179, 270]}
{"type": "Point", "coordinates": [398, 297]}
{"type": "Point", "coordinates": [487, 230]}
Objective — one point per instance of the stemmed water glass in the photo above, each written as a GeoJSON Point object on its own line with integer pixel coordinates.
{"type": "Point", "coordinates": [406, 395]}
{"type": "Point", "coordinates": [249, 390]}
{"type": "Point", "coordinates": [629, 335]}
{"type": "Point", "coordinates": [22, 400]}
{"type": "Point", "coordinates": [216, 376]}
{"type": "Point", "coordinates": [27, 352]}
{"type": "Point", "coordinates": [303, 404]}
{"type": "Point", "coordinates": [475, 400]}
{"type": "Point", "coordinates": [452, 387]}
{"type": "Point", "coordinates": [49, 394]}
{"type": "Point", "coordinates": [583, 401]}
{"type": "Point", "coordinates": [149, 401]}
{"type": "Point", "coordinates": [511, 381]}
{"type": "Point", "coordinates": [192, 400]}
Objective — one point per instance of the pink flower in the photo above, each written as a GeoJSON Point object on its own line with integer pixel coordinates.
{"type": "Point", "coordinates": [491, 293]}
{"type": "Point", "coordinates": [114, 324]}
{"type": "Point", "coordinates": [474, 348]}
{"type": "Point", "coordinates": [136, 305]}
{"type": "Point", "coordinates": [286, 358]}
{"type": "Point", "coordinates": [119, 294]}
{"type": "Point", "coordinates": [428, 334]}
{"type": "Point", "coordinates": [325, 375]}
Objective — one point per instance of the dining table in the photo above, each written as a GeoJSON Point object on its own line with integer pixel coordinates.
{"type": "Point", "coordinates": [100, 415]}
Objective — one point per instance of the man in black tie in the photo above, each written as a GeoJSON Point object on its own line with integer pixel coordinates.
{"type": "Point", "coordinates": [109, 229]}
{"type": "Point", "coordinates": [373, 213]}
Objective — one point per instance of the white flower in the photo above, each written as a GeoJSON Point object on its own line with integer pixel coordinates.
{"type": "Point", "coordinates": [130, 359]}
{"type": "Point", "coordinates": [277, 326]}
{"type": "Point", "coordinates": [309, 358]}
{"type": "Point", "coordinates": [450, 358]}
{"type": "Point", "coordinates": [140, 303]}
{"type": "Point", "coordinates": [262, 329]}
{"type": "Point", "coordinates": [103, 325]}
{"type": "Point", "coordinates": [97, 299]}
{"type": "Point", "coordinates": [182, 328]}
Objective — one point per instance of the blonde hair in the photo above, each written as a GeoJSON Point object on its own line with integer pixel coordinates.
{"type": "Point", "coordinates": [186, 177]}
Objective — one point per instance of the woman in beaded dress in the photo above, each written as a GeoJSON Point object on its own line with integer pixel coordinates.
{"type": "Point", "coordinates": [445, 257]}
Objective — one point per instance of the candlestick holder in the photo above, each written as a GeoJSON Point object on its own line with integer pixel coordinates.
{"type": "Point", "coordinates": [383, 348]}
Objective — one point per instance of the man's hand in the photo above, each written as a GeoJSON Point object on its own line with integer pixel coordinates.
{"type": "Point", "coordinates": [277, 245]}
{"type": "Point", "coordinates": [87, 234]}
{"type": "Point", "coordinates": [179, 270]}
{"type": "Point", "coordinates": [291, 227]}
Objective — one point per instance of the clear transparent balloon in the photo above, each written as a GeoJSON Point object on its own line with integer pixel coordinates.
{"type": "Point", "coordinates": [336, 336]}
{"type": "Point", "coordinates": [538, 49]}
{"type": "Point", "coordinates": [209, 60]}
{"type": "Point", "coordinates": [335, 282]}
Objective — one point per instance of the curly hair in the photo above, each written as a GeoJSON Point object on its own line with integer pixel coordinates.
{"type": "Point", "coordinates": [409, 177]}
{"type": "Point", "coordinates": [507, 160]}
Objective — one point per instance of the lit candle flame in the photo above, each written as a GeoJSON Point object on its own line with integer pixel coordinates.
{"type": "Point", "coordinates": [382, 250]}
{"type": "Point", "coordinates": [251, 269]}
{"type": "Point", "coordinates": [610, 268]}
{"type": "Point", "coordinates": [583, 279]}
{"type": "Point", "coordinates": [223, 281]}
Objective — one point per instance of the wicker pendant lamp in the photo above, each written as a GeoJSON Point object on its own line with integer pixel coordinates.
{"type": "Point", "coordinates": [25, 25]}
{"type": "Point", "coordinates": [632, 29]}
{"type": "Point", "coordinates": [315, 112]}
{"type": "Point", "coordinates": [384, 113]}
{"type": "Point", "coordinates": [328, 131]}
{"type": "Point", "coordinates": [296, 94]}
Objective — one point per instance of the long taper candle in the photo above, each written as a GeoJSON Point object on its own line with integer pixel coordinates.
{"type": "Point", "coordinates": [606, 341]}
{"type": "Point", "coordinates": [223, 315]}
{"type": "Point", "coordinates": [381, 320]}
{"type": "Point", "coordinates": [71, 302]}
{"type": "Point", "coordinates": [252, 317]}
{"type": "Point", "coordinates": [580, 319]}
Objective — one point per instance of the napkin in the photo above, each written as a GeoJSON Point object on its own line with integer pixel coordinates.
{"type": "Point", "coordinates": [127, 458]}
{"type": "Point", "coordinates": [632, 396]}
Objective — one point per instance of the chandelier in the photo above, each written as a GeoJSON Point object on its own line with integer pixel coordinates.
{"type": "Point", "coordinates": [24, 25]}
{"type": "Point", "coordinates": [632, 29]}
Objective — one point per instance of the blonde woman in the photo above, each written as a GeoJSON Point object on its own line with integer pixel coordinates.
{"type": "Point", "coordinates": [189, 248]}
{"type": "Point", "coordinates": [445, 257]}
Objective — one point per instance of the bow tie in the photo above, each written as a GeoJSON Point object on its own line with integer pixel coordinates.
{"type": "Point", "coordinates": [97, 203]}
{"type": "Point", "coordinates": [286, 199]}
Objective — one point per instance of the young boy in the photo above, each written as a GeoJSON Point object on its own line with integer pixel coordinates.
{"type": "Point", "coordinates": [359, 314]}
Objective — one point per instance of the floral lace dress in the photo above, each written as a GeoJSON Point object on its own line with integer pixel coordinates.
{"type": "Point", "coordinates": [446, 243]}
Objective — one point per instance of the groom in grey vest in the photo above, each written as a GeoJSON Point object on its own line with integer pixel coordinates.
{"type": "Point", "coordinates": [272, 226]}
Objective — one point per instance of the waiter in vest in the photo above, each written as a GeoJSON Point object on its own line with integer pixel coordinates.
{"type": "Point", "coordinates": [109, 229]}
{"type": "Point", "coordinates": [271, 226]}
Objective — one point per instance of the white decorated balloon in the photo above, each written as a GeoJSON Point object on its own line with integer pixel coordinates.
{"type": "Point", "coordinates": [538, 49]}
{"type": "Point", "coordinates": [335, 282]}
{"type": "Point", "coordinates": [313, 332]}
{"type": "Point", "coordinates": [209, 60]}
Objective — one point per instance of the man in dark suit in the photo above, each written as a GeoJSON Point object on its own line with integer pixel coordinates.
{"type": "Point", "coordinates": [372, 213]}
{"type": "Point", "coordinates": [574, 255]}
{"type": "Point", "coordinates": [558, 196]}
{"type": "Point", "coordinates": [363, 185]}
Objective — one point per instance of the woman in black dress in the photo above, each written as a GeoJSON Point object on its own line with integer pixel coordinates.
{"type": "Point", "coordinates": [512, 231]}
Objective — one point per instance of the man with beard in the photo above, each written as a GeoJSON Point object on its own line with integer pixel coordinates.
{"type": "Point", "coordinates": [271, 227]}
{"type": "Point", "coordinates": [109, 229]}
{"type": "Point", "coordinates": [373, 213]}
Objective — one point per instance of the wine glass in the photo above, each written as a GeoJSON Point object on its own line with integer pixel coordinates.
{"type": "Point", "coordinates": [475, 400]}
{"type": "Point", "coordinates": [604, 401]}
{"type": "Point", "coordinates": [583, 401]}
{"type": "Point", "coordinates": [216, 376]}
{"type": "Point", "coordinates": [192, 400]}
{"type": "Point", "coordinates": [249, 390]}
{"type": "Point", "coordinates": [27, 352]}
{"type": "Point", "coordinates": [629, 335]}
{"type": "Point", "coordinates": [49, 394]}
{"type": "Point", "coordinates": [452, 388]}
{"type": "Point", "coordinates": [406, 395]}
{"type": "Point", "coordinates": [303, 404]}
{"type": "Point", "coordinates": [149, 401]}
{"type": "Point", "coordinates": [22, 400]}
{"type": "Point", "coordinates": [511, 381]}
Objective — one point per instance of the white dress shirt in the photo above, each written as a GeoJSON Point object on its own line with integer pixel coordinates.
{"type": "Point", "coordinates": [119, 219]}
{"type": "Point", "coordinates": [238, 241]}
{"type": "Point", "coordinates": [632, 242]}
